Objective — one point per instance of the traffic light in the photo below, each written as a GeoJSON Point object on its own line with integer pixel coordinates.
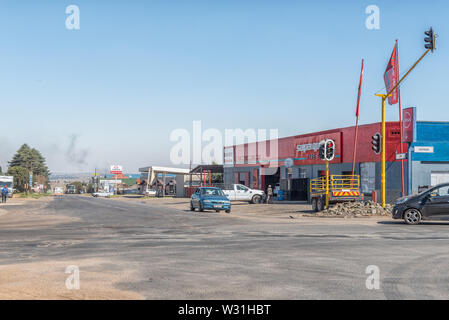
{"type": "Point", "coordinates": [376, 142]}
{"type": "Point", "coordinates": [330, 150]}
{"type": "Point", "coordinates": [322, 150]}
{"type": "Point", "coordinates": [430, 39]}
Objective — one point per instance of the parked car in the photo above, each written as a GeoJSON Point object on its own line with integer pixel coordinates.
{"type": "Point", "coordinates": [102, 194]}
{"type": "Point", "coordinates": [429, 204]}
{"type": "Point", "coordinates": [58, 191]}
{"type": "Point", "coordinates": [243, 193]}
{"type": "Point", "coordinates": [210, 198]}
{"type": "Point", "coordinates": [150, 192]}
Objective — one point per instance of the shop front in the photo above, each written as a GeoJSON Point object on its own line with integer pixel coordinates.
{"type": "Point", "coordinates": [291, 162]}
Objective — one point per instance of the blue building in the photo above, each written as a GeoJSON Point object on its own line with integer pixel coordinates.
{"type": "Point", "coordinates": [428, 154]}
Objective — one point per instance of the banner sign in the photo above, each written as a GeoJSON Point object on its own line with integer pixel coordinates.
{"type": "Point", "coordinates": [228, 157]}
{"type": "Point", "coordinates": [116, 169]}
{"type": "Point", "coordinates": [408, 124]}
{"type": "Point", "coordinates": [391, 76]}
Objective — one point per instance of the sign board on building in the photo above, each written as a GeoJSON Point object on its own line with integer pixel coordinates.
{"type": "Point", "coordinates": [401, 156]}
{"type": "Point", "coordinates": [421, 149]}
{"type": "Point", "coordinates": [109, 182]}
{"type": "Point", "coordinates": [408, 124]}
{"type": "Point", "coordinates": [307, 148]}
{"type": "Point", "coordinates": [116, 169]}
{"type": "Point", "coordinates": [288, 162]}
{"type": "Point", "coordinates": [228, 157]}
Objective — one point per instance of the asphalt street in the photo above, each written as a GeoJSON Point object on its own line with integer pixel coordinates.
{"type": "Point", "coordinates": [175, 254]}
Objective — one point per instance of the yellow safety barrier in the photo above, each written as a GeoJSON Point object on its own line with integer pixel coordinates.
{"type": "Point", "coordinates": [336, 183]}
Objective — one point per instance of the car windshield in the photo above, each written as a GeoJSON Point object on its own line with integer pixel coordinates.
{"type": "Point", "coordinates": [8, 184]}
{"type": "Point", "coordinates": [212, 192]}
{"type": "Point", "coordinates": [440, 191]}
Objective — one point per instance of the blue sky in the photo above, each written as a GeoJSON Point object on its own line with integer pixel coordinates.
{"type": "Point", "coordinates": [136, 70]}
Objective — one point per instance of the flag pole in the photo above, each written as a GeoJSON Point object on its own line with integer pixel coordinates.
{"type": "Point", "coordinates": [400, 125]}
{"type": "Point", "coordinates": [384, 97]}
{"type": "Point", "coordinates": [357, 120]}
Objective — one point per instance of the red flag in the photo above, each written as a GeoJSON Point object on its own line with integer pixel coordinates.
{"type": "Point", "coordinates": [391, 76]}
{"type": "Point", "coordinates": [360, 92]}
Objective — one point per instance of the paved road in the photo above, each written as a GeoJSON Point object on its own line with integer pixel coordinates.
{"type": "Point", "coordinates": [179, 254]}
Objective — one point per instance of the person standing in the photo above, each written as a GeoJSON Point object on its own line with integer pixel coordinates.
{"type": "Point", "coordinates": [269, 193]}
{"type": "Point", "coordinates": [5, 192]}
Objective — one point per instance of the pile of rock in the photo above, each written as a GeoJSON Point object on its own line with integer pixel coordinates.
{"type": "Point", "coordinates": [357, 209]}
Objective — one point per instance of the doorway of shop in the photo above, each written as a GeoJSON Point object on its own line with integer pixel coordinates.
{"type": "Point", "coordinates": [299, 189]}
{"type": "Point", "coordinates": [272, 179]}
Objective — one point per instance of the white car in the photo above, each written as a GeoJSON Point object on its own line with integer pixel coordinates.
{"type": "Point", "coordinates": [150, 192]}
{"type": "Point", "coordinates": [102, 194]}
{"type": "Point", "coordinates": [239, 192]}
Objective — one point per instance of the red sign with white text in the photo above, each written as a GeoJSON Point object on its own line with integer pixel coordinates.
{"type": "Point", "coordinates": [307, 148]}
{"type": "Point", "coordinates": [391, 76]}
{"type": "Point", "coordinates": [408, 124]}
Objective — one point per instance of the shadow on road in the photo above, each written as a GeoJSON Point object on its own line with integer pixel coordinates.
{"type": "Point", "coordinates": [425, 223]}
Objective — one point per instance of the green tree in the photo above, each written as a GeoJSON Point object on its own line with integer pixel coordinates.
{"type": "Point", "coordinates": [22, 158]}
{"type": "Point", "coordinates": [20, 175]}
{"type": "Point", "coordinates": [39, 166]}
{"type": "Point", "coordinates": [78, 185]}
{"type": "Point", "coordinates": [33, 161]}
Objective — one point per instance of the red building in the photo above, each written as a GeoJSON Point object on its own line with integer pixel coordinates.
{"type": "Point", "coordinates": [292, 161]}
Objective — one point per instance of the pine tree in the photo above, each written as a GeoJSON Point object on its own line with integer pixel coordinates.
{"type": "Point", "coordinates": [20, 177]}
{"type": "Point", "coordinates": [31, 159]}
{"type": "Point", "coordinates": [22, 158]}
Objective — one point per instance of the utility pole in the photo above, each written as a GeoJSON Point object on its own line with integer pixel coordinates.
{"type": "Point", "coordinates": [430, 46]}
{"type": "Point", "coordinates": [327, 184]}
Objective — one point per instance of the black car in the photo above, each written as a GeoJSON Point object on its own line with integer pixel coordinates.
{"type": "Point", "coordinates": [430, 204]}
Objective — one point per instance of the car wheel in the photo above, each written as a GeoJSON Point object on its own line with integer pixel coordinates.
{"type": "Point", "coordinates": [256, 199]}
{"type": "Point", "coordinates": [412, 216]}
{"type": "Point", "coordinates": [314, 205]}
{"type": "Point", "coordinates": [217, 210]}
{"type": "Point", "coordinates": [228, 211]}
{"type": "Point", "coordinates": [192, 208]}
{"type": "Point", "coordinates": [200, 208]}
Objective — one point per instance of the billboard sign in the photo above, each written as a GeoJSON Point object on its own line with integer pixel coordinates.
{"type": "Point", "coordinates": [408, 124]}
{"type": "Point", "coordinates": [307, 148]}
{"type": "Point", "coordinates": [228, 157]}
{"type": "Point", "coordinates": [116, 169]}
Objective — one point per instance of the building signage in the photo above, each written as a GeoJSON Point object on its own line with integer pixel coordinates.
{"type": "Point", "coordinates": [228, 157]}
{"type": "Point", "coordinates": [109, 182]}
{"type": "Point", "coordinates": [408, 124]}
{"type": "Point", "coordinates": [420, 149]}
{"type": "Point", "coordinates": [116, 169]}
{"type": "Point", "coordinates": [401, 156]}
{"type": "Point", "coordinates": [307, 148]}
{"type": "Point", "coordinates": [288, 162]}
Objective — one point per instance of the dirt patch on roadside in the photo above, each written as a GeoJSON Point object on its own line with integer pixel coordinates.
{"type": "Point", "coordinates": [47, 281]}
{"type": "Point", "coordinates": [20, 213]}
